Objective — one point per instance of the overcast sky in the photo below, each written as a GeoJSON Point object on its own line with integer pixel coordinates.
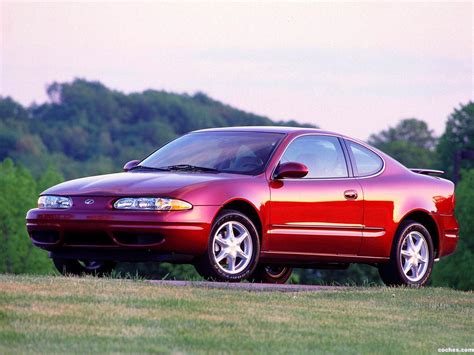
{"type": "Point", "coordinates": [355, 68]}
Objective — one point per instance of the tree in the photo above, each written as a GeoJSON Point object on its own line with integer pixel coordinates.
{"type": "Point", "coordinates": [411, 130]}
{"type": "Point", "coordinates": [458, 135]}
{"type": "Point", "coordinates": [11, 109]}
{"type": "Point", "coordinates": [411, 142]}
{"type": "Point", "coordinates": [87, 128]}
{"type": "Point", "coordinates": [410, 155]}
{"type": "Point", "coordinates": [456, 270]}
{"type": "Point", "coordinates": [18, 193]}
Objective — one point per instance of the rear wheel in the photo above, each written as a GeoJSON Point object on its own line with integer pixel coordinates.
{"type": "Point", "coordinates": [412, 257]}
{"type": "Point", "coordinates": [271, 274]}
{"type": "Point", "coordinates": [233, 248]}
{"type": "Point", "coordinates": [83, 267]}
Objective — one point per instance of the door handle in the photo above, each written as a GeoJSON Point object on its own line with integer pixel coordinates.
{"type": "Point", "coordinates": [350, 194]}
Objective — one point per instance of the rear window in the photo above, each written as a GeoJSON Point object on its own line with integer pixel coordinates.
{"type": "Point", "coordinates": [366, 162]}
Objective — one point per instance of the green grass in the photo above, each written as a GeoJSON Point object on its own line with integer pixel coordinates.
{"type": "Point", "coordinates": [84, 315]}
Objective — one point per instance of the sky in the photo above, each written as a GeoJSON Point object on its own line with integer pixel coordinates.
{"type": "Point", "coordinates": [354, 68]}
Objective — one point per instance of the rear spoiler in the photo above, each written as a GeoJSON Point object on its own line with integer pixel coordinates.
{"type": "Point", "coordinates": [428, 171]}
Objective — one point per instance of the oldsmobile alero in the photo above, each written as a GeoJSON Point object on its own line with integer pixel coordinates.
{"type": "Point", "coordinates": [252, 203]}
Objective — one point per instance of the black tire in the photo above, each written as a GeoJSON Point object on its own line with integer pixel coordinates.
{"type": "Point", "coordinates": [210, 269]}
{"type": "Point", "coordinates": [271, 274]}
{"type": "Point", "coordinates": [392, 272]}
{"type": "Point", "coordinates": [83, 267]}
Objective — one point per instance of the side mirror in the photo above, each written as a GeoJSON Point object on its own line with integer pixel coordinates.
{"type": "Point", "coordinates": [291, 170]}
{"type": "Point", "coordinates": [130, 165]}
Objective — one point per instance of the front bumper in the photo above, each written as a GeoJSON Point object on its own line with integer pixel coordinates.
{"type": "Point", "coordinates": [184, 232]}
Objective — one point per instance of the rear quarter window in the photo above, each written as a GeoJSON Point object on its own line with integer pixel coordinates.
{"type": "Point", "coordinates": [365, 161]}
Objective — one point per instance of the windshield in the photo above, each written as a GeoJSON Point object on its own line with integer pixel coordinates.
{"type": "Point", "coordinates": [230, 152]}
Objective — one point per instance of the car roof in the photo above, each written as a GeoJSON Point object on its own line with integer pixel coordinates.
{"type": "Point", "coordinates": [269, 129]}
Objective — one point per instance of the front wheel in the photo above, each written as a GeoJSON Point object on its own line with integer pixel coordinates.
{"type": "Point", "coordinates": [271, 274]}
{"type": "Point", "coordinates": [83, 267]}
{"type": "Point", "coordinates": [233, 248]}
{"type": "Point", "coordinates": [412, 257]}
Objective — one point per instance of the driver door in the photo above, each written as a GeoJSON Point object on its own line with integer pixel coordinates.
{"type": "Point", "coordinates": [321, 213]}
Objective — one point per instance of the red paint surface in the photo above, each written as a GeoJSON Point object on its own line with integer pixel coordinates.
{"type": "Point", "coordinates": [302, 220]}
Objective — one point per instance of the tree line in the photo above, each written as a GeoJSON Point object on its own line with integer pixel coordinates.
{"type": "Point", "coordinates": [86, 128]}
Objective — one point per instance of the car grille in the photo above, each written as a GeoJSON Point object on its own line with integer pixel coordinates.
{"type": "Point", "coordinates": [138, 239]}
{"type": "Point", "coordinates": [97, 238]}
{"type": "Point", "coordinates": [87, 238]}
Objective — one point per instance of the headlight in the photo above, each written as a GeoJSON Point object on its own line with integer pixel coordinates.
{"type": "Point", "coordinates": [151, 203]}
{"type": "Point", "coordinates": [54, 202]}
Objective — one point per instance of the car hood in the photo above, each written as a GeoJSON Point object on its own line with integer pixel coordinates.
{"type": "Point", "coordinates": [170, 184]}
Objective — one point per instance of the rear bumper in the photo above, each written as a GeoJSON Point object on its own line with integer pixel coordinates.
{"type": "Point", "coordinates": [449, 234]}
{"type": "Point", "coordinates": [182, 232]}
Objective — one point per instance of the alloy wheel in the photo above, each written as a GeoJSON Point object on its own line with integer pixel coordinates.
{"type": "Point", "coordinates": [414, 256]}
{"type": "Point", "coordinates": [91, 265]}
{"type": "Point", "coordinates": [276, 271]}
{"type": "Point", "coordinates": [232, 247]}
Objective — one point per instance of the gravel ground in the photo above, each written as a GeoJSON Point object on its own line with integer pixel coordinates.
{"type": "Point", "coordinates": [256, 287]}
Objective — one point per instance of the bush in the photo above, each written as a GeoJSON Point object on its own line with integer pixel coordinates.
{"type": "Point", "coordinates": [456, 270]}
{"type": "Point", "coordinates": [18, 193]}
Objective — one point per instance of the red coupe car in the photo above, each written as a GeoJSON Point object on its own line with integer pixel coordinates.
{"type": "Point", "coordinates": [252, 203]}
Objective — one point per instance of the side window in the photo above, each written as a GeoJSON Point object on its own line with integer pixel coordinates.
{"type": "Point", "coordinates": [366, 162]}
{"type": "Point", "coordinates": [322, 155]}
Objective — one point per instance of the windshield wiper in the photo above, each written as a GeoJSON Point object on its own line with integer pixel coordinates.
{"type": "Point", "coordinates": [187, 167]}
{"type": "Point", "coordinates": [148, 168]}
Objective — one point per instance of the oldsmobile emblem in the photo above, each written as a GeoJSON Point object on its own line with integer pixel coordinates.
{"type": "Point", "coordinates": [89, 201]}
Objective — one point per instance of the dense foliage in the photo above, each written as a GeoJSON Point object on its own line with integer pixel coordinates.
{"type": "Point", "coordinates": [459, 135]}
{"type": "Point", "coordinates": [456, 271]}
{"type": "Point", "coordinates": [86, 129]}
{"type": "Point", "coordinates": [18, 193]}
{"type": "Point", "coordinates": [411, 142]}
